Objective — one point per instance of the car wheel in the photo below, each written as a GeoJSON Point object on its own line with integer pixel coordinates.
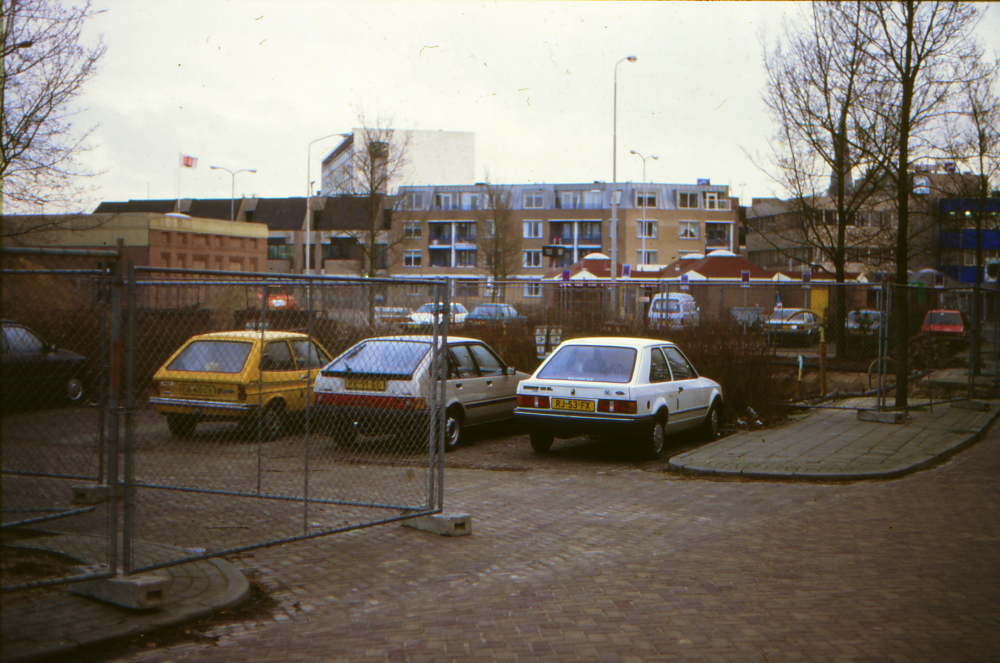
{"type": "Point", "coordinates": [272, 422]}
{"type": "Point", "coordinates": [74, 391]}
{"type": "Point", "coordinates": [540, 442]}
{"type": "Point", "coordinates": [653, 446]}
{"type": "Point", "coordinates": [452, 430]}
{"type": "Point", "coordinates": [181, 425]}
{"type": "Point", "coordinates": [710, 427]}
{"type": "Point", "coordinates": [344, 433]}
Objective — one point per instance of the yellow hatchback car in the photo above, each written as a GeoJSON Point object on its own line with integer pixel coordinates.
{"type": "Point", "coordinates": [231, 376]}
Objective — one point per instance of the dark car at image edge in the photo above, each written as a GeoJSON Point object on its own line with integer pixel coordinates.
{"type": "Point", "coordinates": [38, 374]}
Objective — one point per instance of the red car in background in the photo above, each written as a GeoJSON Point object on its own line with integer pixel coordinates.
{"type": "Point", "coordinates": [946, 325]}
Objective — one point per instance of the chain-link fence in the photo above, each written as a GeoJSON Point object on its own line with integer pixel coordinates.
{"type": "Point", "coordinates": [190, 415]}
{"type": "Point", "coordinates": [57, 431]}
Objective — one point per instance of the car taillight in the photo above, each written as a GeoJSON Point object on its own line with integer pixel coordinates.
{"type": "Point", "coordinates": [154, 389]}
{"type": "Point", "coordinates": [617, 407]}
{"type": "Point", "coordinates": [241, 392]}
{"type": "Point", "coordinates": [524, 400]}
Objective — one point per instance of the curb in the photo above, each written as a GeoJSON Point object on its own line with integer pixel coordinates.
{"type": "Point", "coordinates": [237, 591]}
{"type": "Point", "coordinates": [792, 476]}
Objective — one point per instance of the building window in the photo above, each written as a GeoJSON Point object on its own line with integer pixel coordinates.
{"type": "Point", "coordinates": [568, 199]}
{"type": "Point", "coordinates": [166, 238]}
{"type": "Point", "coordinates": [277, 249]}
{"type": "Point", "coordinates": [589, 233]}
{"type": "Point", "coordinates": [532, 229]}
{"type": "Point", "coordinates": [412, 230]}
{"type": "Point", "coordinates": [533, 289]}
{"type": "Point", "coordinates": [465, 232]}
{"type": "Point", "coordinates": [687, 200]}
{"type": "Point", "coordinates": [645, 198]}
{"type": "Point", "coordinates": [532, 259]}
{"type": "Point", "coordinates": [218, 264]}
{"type": "Point", "coordinates": [341, 248]}
{"type": "Point", "coordinates": [592, 199]}
{"type": "Point", "coordinates": [415, 290]}
{"type": "Point", "coordinates": [471, 201]}
{"type": "Point", "coordinates": [466, 288]}
{"type": "Point", "coordinates": [649, 232]}
{"type": "Point", "coordinates": [688, 230]}
{"type": "Point", "coordinates": [236, 264]}
{"type": "Point", "coordinates": [416, 201]}
{"type": "Point", "coordinates": [465, 258]}
{"type": "Point", "coordinates": [711, 200]}
{"type": "Point", "coordinates": [490, 229]}
{"type": "Point", "coordinates": [650, 258]}
{"type": "Point", "coordinates": [534, 200]}
{"type": "Point", "coordinates": [164, 260]}
{"type": "Point", "coordinates": [444, 201]}
{"type": "Point", "coordinates": [253, 264]}
{"type": "Point", "coordinates": [717, 235]}
{"type": "Point", "coordinates": [412, 258]}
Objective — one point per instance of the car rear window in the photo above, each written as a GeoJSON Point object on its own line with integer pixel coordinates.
{"type": "Point", "coordinates": [783, 313]}
{"type": "Point", "coordinates": [212, 357]}
{"type": "Point", "coordinates": [384, 358]}
{"type": "Point", "coordinates": [944, 318]}
{"type": "Point", "coordinates": [590, 363]}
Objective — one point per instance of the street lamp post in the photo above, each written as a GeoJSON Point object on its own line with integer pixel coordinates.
{"type": "Point", "coordinates": [308, 239]}
{"type": "Point", "coordinates": [644, 201]}
{"type": "Point", "coordinates": [232, 187]}
{"type": "Point", "coordinates": [614, 179]}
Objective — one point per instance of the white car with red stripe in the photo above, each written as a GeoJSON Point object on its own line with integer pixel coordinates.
{"type": "Point", "coordinates": [382, 386]}
{"type": "Point", "coordinates": [633, 390]}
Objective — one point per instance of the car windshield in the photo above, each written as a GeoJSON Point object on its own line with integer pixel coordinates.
{"type": "Point", "coordinates": [487, 312]}
{"type": "Point", "coordinates": [431, 308]}
{"type": "Point", "coordinates": [427, 308]}
{"type": "Point", "coordinates": [944, 318]}
{"type": "Point", "coordinates": [212, 357]}
{"type": "Point", "coordinates": [673, 306]}
{"type": "Point", "coordinates": [380, 357]}
{"type": "Point", "coordinates": [864, 317]}
{"type": "Point", "coordinates": [590, 363]}
{"type": "Point", "coordinates": [784, 313]}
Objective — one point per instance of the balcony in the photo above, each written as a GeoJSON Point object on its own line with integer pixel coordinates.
{"type": "Point", "coordinates": [717, 205]}
{"type": "Point", "coordinates": [589, 240]}
{"type": "Point", "coordinates": [465, 238]}
{"type": "Point", "coordinates": [442, 240]}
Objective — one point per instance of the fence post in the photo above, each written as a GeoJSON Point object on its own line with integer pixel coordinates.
{"type": "Point", "coordinates": [129, 388]}
{"type": "Point", "coordinates": [114, 410]}
{"type": "Point", "coordinates": [442, 383]}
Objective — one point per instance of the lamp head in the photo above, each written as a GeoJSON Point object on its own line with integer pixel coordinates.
{"type": "Point", "coordinates": [633, 152]}
{"type": "Point", "coordinates": [631, 58]}
{"type": "Point", "coordinates": [655, 158]}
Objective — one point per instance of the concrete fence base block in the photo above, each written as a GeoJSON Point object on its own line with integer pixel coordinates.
{"type": "Point", "coordinates": [445, 524]}
{"type": "Point", "coordinates": [138, 592]}
{"type": "Point", "coordinates": [882, 417]}
{"type": "Point", "coordinates": [979, 406]}
{"type": "Point", "coordinates": [96, 493]}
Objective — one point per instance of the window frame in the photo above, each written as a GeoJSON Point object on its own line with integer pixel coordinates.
{"type": "Point", "coordinates": [536, 259]}
{"type": "Point", "coordinates": [683, 225]}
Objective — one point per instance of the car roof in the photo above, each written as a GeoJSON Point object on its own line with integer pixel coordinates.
{"type": "Point", "coordinates": [422, 339]}
{"type": "Point", "coordinates": [249, 335]}
{"type": "Point", "coordinates": [618, 342]}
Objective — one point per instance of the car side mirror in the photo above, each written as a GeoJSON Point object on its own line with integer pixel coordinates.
{"type": "Point", "coordinates": [511, 370]}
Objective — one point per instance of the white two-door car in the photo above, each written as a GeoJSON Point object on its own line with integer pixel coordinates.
{"type": "Point", "coordinates": [632, 390]}
{"type": "Point", "coordinates": [382, 386]}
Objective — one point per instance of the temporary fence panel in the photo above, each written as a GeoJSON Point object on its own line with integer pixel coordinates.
{"type": "Point", "coordinates": [59, 422]}
{"type": "Point", "coordinates": [233, 447]}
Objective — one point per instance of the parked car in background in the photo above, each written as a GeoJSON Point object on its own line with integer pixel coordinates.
{"type": "Point", "coordinates": [635, 390]}
{"type": "Point", "coordinates": [38, 374]}
{"type": "Point", "coordinates": [381, 386]}
{"type": "Point", "coordinates": [425, 315]}
{"type": "Point", "coordinates": [234, 376]}
{"type": "Point", "coordinates": [494, 314]}
{"type": "Point", "coordinates": [387, 315]}
{"type": "Point", "coordinates": [793, 325]}
{"type": "Point", "coordinates": [946, 325]}
{"type": "Point", "coordinates": [675, 309]}
{"type": "Point", "coordinates": [864, 322]}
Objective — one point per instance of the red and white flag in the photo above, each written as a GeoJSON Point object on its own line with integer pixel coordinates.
{"type": "Point", "coordinates": [189, 162]}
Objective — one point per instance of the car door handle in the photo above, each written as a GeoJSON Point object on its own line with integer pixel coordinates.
{"type": "Point", "coordinates": [458, 385]}
{"type": "Point", "coordinates": [489, 383]}
{"type": "Point", "coordinates": [303, 377]}
{"type": "Point", "coordinates": [680, 389]}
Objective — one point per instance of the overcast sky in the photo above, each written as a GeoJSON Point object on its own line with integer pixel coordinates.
{"type": "Point", "coordinates": [250, 84]}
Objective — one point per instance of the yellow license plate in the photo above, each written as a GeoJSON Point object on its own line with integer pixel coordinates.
{"type": "Point", "coordinates": [364, 384]}
{"type": "Point", "coordinates": [198, 389]}
{"type": "Point", "coordinates": [577, 406]}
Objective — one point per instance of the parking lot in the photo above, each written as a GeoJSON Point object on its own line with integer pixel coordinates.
{"type": "Point", "coordinates": [587, 555]}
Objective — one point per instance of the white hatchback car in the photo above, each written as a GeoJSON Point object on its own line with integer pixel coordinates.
{"type": "Point", "coordinates": [382, 386]}
{"type": "Point", "coordinates": [425, 315]}
{"type": "Point", "coordinates": [632, 389]}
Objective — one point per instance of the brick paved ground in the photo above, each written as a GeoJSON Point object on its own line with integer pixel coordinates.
{"type": "Point", "coordinates": [585, 555]}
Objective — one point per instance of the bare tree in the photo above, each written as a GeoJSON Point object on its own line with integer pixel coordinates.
{"type": "Point", "coordinates": [499, 235]}
{"type": "Point", "coordinates": [44, 70]}
{"type": "Point", "coordinates": [817, 82]}
{"type": "Point", "coordinates": [376, 161]}
{"type": "Point", "coordinates": [925, 52]}
{"type": "Point", "coordinates": [974, 144]}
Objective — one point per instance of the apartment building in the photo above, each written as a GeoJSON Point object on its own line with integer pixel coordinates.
{"type": "Point", "coordinates": [559, 224]}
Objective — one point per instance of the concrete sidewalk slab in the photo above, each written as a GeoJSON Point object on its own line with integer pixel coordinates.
{"type": "Point", "coordinates": [832, 444]}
